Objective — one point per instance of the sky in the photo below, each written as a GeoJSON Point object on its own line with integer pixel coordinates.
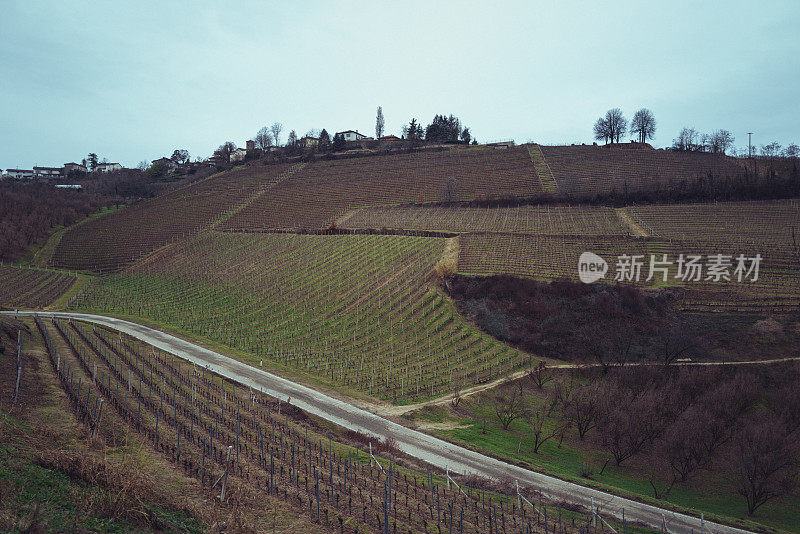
{"type": "Point", "coordinates": [133, 81]}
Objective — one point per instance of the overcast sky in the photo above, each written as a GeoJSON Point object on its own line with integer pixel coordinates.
{"type": "Point", "coordinates": [135, 80]}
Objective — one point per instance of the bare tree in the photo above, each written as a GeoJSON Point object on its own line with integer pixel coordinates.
{"type": "Point", "coordinates": [143, 165]}
{"type": "Point", "coordinates": [764, 458]}
{"type": "Point", "coordinates": [792, 151]}
{"type": "Point", "coordinates": [686, 140]}
{"type": "Point", "coordinates": [630, 424]}
{"type": "Point", "coordinates": [276, 130]}
{"type": "Point", "coordinates": [450, 189]}
{"type": "Point", "coordinates": [611, 127]}
{"type": "Point", "coordinates": [675, 342]}
{"type": "Point", "coordinates": [584, 408]}
{"type": "Point", "coordinates": [684, 445]}
{"type": "Point", "coordinates": [772, 150]}
{"type": "Point", "coordinates": [720, 141]}
{"type": "Point", "coordinates": [540, 374]}
{"type": "Point", "coordinates": [379, 123]}
{"type": "Point", "coordinates": [456, 400]}
{"type": "Point", "coordinates": [643, 124]}
{"type": "Point", "coordinates": [542, 428]}
{"type": "Point", "coordinates": [263, 138]}
{"type": "Point", "coordinates": [508, 405]}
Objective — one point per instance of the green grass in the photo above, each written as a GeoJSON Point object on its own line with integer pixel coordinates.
{"type": "Point", "coordinates": [50, 498]}
{"type": "Point", "coordinates": [709, 492]}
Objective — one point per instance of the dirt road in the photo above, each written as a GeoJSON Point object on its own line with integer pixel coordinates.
{"type": "Point", "coordinates": [432, 450]}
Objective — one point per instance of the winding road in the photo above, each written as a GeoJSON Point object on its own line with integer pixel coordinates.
{"type": "Point", "coordinates": [412, 442]}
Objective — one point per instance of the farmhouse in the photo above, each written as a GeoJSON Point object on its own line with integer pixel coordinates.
{"type": "Point", "coordinates": [72, 166]}
{"type": "Point", "coordinates": [20, 174]}
{"type": "Point", "coordinates": [238, 154]}
{"type": "Point", "coordinates": [351, 135]}
{"type": "Point", "coordinates": [308, 141]}
{"type": "Point", "coordinates": [108, 167]}
{"type": "Point", "coordinates": [166, 163]}
{"type": "Point", "coordinates": [46, 173]}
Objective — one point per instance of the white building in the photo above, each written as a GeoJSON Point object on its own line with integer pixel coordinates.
{"type": "Point", "coordinates": [108, 167]}
{"type": "Point", "coordinates": [238, 154]}
{"type": "Point", "coordinates": [46, 173]}
{"type": "Point", "coordinates": [352, 135]}
{"type": "Point", "coordinates": [20, 174]}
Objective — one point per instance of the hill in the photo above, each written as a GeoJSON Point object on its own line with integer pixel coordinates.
{"type": "Point", "coordinates": [581, 170]}
{"type": "Point", "coordinates": [354, 311]}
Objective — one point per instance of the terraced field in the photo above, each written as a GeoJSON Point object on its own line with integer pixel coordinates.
{"type": "Point", "coordinates": [551, 257]}
{"type": "Point", "coordinates": [323, 191]}
{"type": "Point", "coordinates": [22, 287]}
{"type": "Point", "coordinates": [760, 226]}
{"type": "Point", "coordinates": [592, 170]}
{"type": "Point", "coordinates": [111, 242]}
{"type": "Point", "coordinates": [534, 220]}
{"type": "Point", "coordinates": [358, 311]}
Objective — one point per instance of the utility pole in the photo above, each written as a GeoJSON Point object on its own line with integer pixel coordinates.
{"type": "Point", "coordinates": [749, 144]}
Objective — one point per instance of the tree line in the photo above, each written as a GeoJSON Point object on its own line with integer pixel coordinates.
{"type": "Point", "coordinates": [30, 211]}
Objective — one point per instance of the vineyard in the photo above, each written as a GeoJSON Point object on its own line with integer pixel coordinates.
{"type": "Point", "coordinates": [219, 432]}
{"type": "Point", "coordinates": [325, 190]}
{"type": "Point", "coordinates": [551, 257]}
{"type": "Point", "coordinates": [593, 170]}
{"type": "Point", "coordinates": [535, 220]}
{"type": "Point", "coordinates": [111, 242]}
{"type": "Point", "coordinates": [355, 310]}
{"type": "Point", "coordinates": [757, 226]}
{"type": "Point", "coordinates": [22, 287]}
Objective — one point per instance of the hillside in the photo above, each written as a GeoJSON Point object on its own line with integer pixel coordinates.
{"type": "Point", "coordinates": [581, 170]}
{"type": "Point", "coordinates": [108, 243]}
{"type": "Point", "coordinates": [356, 311]}
{"type": "Point", "coordinates": [325, 190]}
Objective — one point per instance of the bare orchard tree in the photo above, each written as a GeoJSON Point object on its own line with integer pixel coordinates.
{"type": "Point", "coordinates": [585, 408]}
{"type": "Point", "coordinates": [543, 429]}
{"type": "Point", "coordinates": [764, 457]}
{"type": "Point", "coordinates": [611, 127]}
{"type": "Point", "coordinates": [674, 342]}
{"type": "Point", "coordinates": [541, 374]}
{"type": "Point", "coordinates": [263, 138]}
{"type": "Point", "coordinates": [379, 123]}
{"type": "Point", "coordinates": [508, 404]}
{"type": "Point", "coordinates": [643, 125]}
{"type": "Point", "coordinates": [276, 130]}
